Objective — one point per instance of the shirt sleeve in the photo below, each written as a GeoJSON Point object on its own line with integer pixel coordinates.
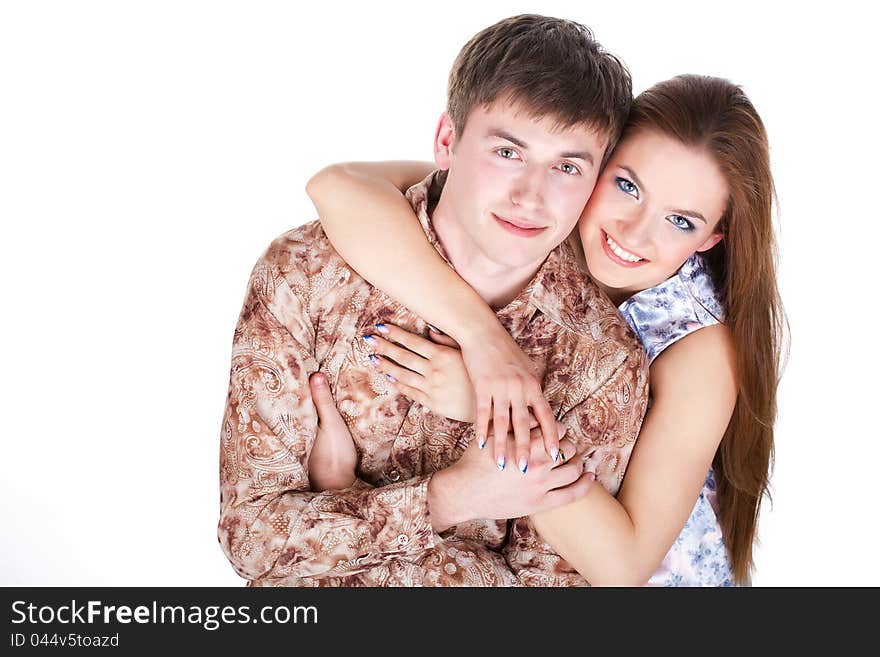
{"type": "Point", "coordinates": [605, 425]}
{"type": "Point", "coordinates": [271, 524]}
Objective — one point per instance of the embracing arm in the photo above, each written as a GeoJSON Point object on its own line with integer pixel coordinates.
{"type": "Point", "coordinates": [368, 220]}
{"type": "Point", "coordinates": [621, 541]}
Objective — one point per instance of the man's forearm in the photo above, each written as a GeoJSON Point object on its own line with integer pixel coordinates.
{"type": "Point", "coordinates": [292, 532]}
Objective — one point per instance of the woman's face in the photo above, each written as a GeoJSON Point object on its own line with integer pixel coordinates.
{"type": "Point", "coordinates": [654, 205]}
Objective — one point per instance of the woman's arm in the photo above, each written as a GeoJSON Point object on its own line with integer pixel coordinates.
{"type": "Point", "coordinates": [361, 206]}
{"type": "Point", "coordinates": [367, 219]}
{"type": "Point", "coordinates": [622, 541]}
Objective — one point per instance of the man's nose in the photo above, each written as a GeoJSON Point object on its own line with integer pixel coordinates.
{"type": "Point", "coordinates": [528, 192]}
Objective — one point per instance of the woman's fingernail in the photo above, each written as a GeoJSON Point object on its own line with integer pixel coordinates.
{"type": "Point", "coordinates": [500, 462]}
{"type": "Point", "coordinates": [391, 378]}
{"type": "Point", "coordinates": [523, 464]}
{"type": "Point", "coordinates": [374, 359]}
{"type": "Point", "coordinates": [554, 454]}
{"type": "Point", "coordinates": [382, 328]}
{"type": "Point", "coordinates": [435, 329]}
{"type": "Point", "coordinates": [370, 340]}
{"type": "Point", "coordinates": [481, 441]}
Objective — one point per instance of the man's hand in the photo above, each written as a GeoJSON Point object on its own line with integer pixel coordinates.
{"type": "Point", "coordinates": [333, 458]}
{"type": "Point", "coordinates": [474, 487]}
{"type": "Point", "coordinates": [506, 387]}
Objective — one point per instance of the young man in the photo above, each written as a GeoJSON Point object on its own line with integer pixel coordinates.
{"type": "Point", "coordinates": [534, 105]}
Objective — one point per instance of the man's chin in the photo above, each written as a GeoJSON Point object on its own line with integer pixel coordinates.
{"type": "Point", "coordinates": [520, 260]}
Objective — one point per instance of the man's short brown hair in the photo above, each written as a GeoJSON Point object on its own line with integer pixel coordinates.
{"type": "Point", "coordinates": [550, 66]}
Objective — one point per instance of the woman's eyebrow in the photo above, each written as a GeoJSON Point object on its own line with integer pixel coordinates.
{"type": "Point", "coordinates": [634, 176]}
{"type": "Point", "coordinates": [690, 213]}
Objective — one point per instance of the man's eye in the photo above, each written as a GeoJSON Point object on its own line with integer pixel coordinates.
{"type": "Point", "coordinates": [680, 222]}
{"type": "Point", "coordinates": [569, 169]}
{"type": "Point", "coordinates": [627, 186]}
{"type": "Point", "coordinates": [506, 153]}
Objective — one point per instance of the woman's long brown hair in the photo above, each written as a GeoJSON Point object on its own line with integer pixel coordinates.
{"type": "Point", "coordinates": [714, 115]}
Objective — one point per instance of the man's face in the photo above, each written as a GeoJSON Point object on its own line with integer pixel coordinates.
{"type": "Point", "coordinates": [516, 185]}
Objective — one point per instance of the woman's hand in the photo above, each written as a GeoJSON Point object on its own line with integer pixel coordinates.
{"type": "Point", "coordinates": [333, 458]}
{"type": "Point", "coordinates": [426, 371]}
{"type": "Point", "coordinates": [506, 387]}
{"type": "Point", "coordinates": [438, 376]}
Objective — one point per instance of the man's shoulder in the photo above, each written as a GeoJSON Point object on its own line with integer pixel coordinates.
{"type": "Point", "coordinates": [303, 251]}
{"type": "Point", "coordinates": [305, 259]}
{"type": "Point", "coordinates": [593, 318]}
{"type": "Point", "coordinates": [297, 247]}
{"type": "Point", "coordinates": [601, 316]}
{"type": "Point", "coordinates": [580, 308]}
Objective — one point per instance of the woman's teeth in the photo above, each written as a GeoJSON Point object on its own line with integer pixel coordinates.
{"type": "Point", "coordinates": [619, 252]}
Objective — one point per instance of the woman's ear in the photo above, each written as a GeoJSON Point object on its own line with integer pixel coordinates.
{"type": "Point", "coordinates": [443, 140]}
{"type": "Point", "coordinates": [711, 241]}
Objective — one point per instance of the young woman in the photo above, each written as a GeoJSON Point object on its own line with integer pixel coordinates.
{"type": "Point", "coordinates": [678, 233]}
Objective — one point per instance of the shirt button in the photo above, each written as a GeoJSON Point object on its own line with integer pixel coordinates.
{"type": "Point", "coordinates": [403, 539]}
{"type": "Point", "coordinates": [393, 475]}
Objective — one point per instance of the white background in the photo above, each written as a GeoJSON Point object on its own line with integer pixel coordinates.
{"type": "Point", "coordinates": [149, 152]}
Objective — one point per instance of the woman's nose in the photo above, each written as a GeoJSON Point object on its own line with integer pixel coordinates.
{"type": "Point", "coordinates": [634, 227]}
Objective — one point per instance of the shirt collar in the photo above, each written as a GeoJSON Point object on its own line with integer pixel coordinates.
{"type": "Point", "coordinates": [559, 289]}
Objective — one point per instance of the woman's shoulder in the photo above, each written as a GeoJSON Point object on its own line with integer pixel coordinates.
{"type": "Point", "coordinates": [680, 305]}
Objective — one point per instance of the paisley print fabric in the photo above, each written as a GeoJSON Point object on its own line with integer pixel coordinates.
{"type": "Point", "coordinates": [660, 316]}
{"type": "Point", "coordinates": [306, 310]}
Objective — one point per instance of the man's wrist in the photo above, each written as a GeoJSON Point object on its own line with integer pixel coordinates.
{"type": "Point", "coordinates": [442, 507]}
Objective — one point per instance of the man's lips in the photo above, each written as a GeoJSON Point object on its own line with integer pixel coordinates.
{"type": "Point", "coordinates": [517, 227]}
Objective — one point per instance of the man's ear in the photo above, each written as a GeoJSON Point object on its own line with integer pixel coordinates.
{"type": "Point", "coordinates": [711, 241]}
{"type": "Point", "coordinates": [443, 141]}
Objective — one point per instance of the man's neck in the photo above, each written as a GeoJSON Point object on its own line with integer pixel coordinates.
{"type": "Point", "coordinates": [496, 283]}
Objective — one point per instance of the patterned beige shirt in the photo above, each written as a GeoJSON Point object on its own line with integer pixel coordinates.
{"type": "Point", "coordinates": [305, 310]}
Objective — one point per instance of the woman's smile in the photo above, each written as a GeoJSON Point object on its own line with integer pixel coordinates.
{"type": "Point", "coordinates": [618, 254]}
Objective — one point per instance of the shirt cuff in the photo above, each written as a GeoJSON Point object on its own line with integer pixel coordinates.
{"type": "Point", "coordinates": [407, 524]}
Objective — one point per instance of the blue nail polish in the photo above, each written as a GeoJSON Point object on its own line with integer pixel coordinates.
{"type": "Point", "coordinates": [554, 454]}
{"type": "Point", "coordinates": [374, 360]}
{"type": "Point", "coordinates": [381, 328]}
{"type": "Point", "coordinates": [523, 465]}
{"type": "Point", "coordinates": [370, 340]}
{"type": "Point", "coordinates": [391, 378]}
{"type": "Point", "coordinates": [481, 442]}
{"type": "Point", "coordinates": [500, 462]}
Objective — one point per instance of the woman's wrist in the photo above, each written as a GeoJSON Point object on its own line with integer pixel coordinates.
{"type": "Point", "coordinates": [472, 330]}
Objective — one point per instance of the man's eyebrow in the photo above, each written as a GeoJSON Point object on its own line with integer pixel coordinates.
{"type": "Point", "coordinates": [641, 185]}
{"type": "Point", "coordinates": [582, 155]}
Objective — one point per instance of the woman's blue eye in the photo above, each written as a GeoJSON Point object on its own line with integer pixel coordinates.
{"type": "Point", "coordinates": [627, 186]}
{"type": "Point", "coordinates": [680, 222]}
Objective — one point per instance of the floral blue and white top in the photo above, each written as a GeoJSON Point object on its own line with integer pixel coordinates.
{"type": "Point", "coordinates": [660, 316]}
